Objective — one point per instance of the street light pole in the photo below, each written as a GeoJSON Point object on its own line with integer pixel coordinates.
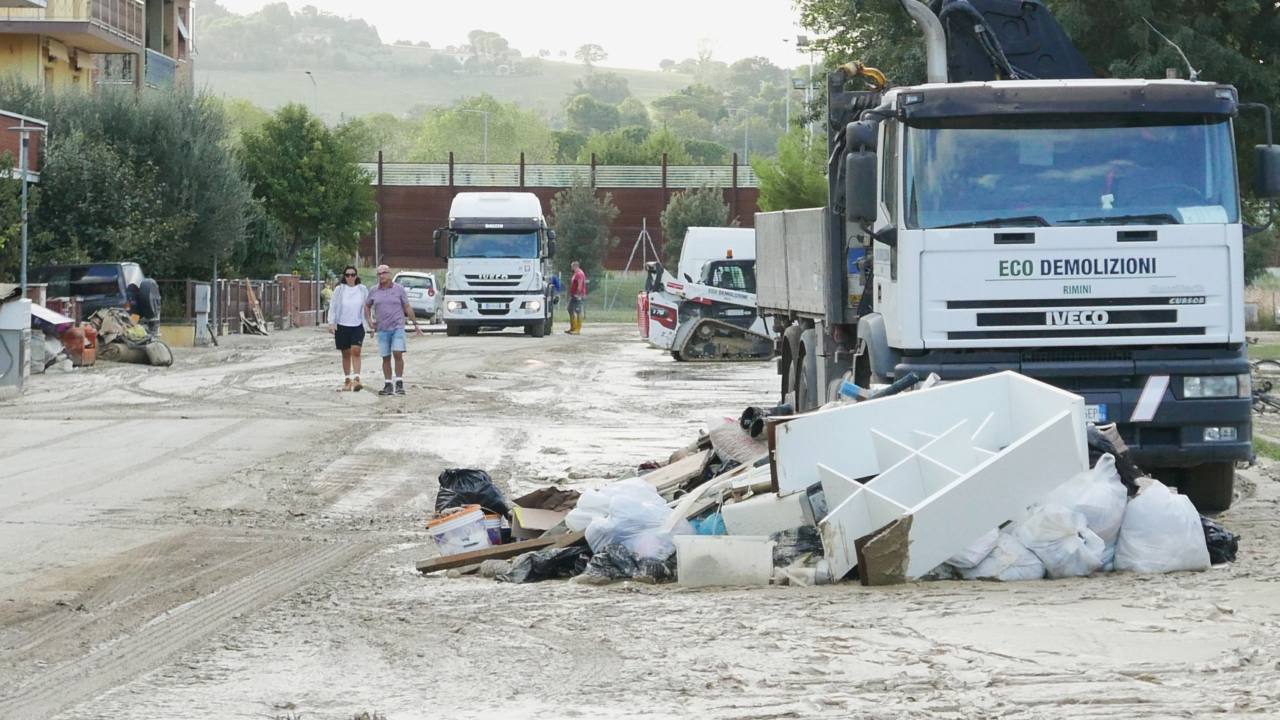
{"type": "Point", "coordinates": [315, 92]}
{"type": "Point", "coordinates": [25, 132]}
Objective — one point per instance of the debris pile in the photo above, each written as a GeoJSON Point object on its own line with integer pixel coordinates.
{"type": "Point", "coordinates": [997, 478]}
{"type": "Point", "coordinates": [120, 339]}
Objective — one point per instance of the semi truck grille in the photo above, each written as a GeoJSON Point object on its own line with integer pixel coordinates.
{"type": "Point", "coordinates": [490, 281]}
{"type": "Point", "coordinates": [1077, 355]}
{"type": "Point", "coordinates": [1049, 333]}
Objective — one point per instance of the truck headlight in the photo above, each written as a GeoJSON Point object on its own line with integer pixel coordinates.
{"type": "Point", "coordinates": [1211, 386]}
{"type": "Point", "coordinates": [533, 305]}
{"type": "Point", "coordinates": [454, 305]}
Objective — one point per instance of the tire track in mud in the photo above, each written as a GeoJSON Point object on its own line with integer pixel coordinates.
{"type": "Point", "coordinates": [117, 662]}
{"type": "Point", "coordinates": [122, 474]}
{"type": "Point", "coordinates": [123, 595]}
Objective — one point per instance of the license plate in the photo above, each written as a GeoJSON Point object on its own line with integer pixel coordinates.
{"type": "Point", "coordinates": [1095, 413]}
{"type": "Point", "coordinates": [493, 306]}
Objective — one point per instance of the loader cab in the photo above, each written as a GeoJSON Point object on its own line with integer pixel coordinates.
{"type": "Point", "coordinates": [730, 274]}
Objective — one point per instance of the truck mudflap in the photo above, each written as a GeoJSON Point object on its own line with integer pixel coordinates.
{"type": "Point", "coordinates": [711, 340]}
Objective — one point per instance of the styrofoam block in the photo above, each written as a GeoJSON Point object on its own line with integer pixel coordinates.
{"type": "Point", "coordinates": [763, 514]}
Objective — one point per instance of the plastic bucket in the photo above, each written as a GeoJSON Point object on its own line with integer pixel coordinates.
{"type": "Point", "coordinates": [493, 526]}
{"type": "Point", "coordinates": [463, 531]}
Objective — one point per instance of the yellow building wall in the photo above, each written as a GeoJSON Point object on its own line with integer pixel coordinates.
{"type": "Point", "coordinates": [26, 57]}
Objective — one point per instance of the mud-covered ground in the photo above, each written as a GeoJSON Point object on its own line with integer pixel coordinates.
{"type": "Point", "coordinates": [230, 538]}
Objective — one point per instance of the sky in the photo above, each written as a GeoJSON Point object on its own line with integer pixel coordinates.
{"type": "Point", "coordinates": [635, 34]}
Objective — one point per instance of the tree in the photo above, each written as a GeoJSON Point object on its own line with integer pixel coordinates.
{"type": "Point", "coordinates": [308, 181]}
{"type": "Point", "coordinates": [588, 115]}
{"type": "Point", "coordinates": [634, 146]}
{"type": "Point", "coordinates": [702, 100]}
{"type": "Point", "coordinates": [632, 112]}
{"type": "Point", "coordinates": [379, 131]}
{"type": "Point", "coordinates": [460, 129]}
{"type": "Point", "coordinates": [581, 221]}
{"type": "Point", "coordinates": [174, 145]}
{"type": "Point", "coordinates": [590, 54]}
{"type": "Point", "coordinates": [699, 207]}
{"type": "Point", "coordinates": [703, 152]}
{"type": "Point", "coordinates": [796, 178]}
{"type": "Point", "coordinates": [568, 144]}
{"type": "Point", "coordinates": [134, 225]}
{"type": "Point", "coordinates": [607, 87]}
{"type": "Point", "coordinates": [667, 65]}
{"type": "Point", "coordinates": [243, 116]}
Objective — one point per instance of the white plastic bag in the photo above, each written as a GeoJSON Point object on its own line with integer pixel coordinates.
{"type": "Point", "coordinates": [1161, 533]}
{"type": "Point", "coordinates": [630, 512]}
{"type": "Point", "coordinates": [1008, 561]}
{"type": "Point", "coordinates": [977, 551]}
{"type": "Point", "coordinates": [1061, 538]}
{"type": "Point", "coordinates": [1097, 494]}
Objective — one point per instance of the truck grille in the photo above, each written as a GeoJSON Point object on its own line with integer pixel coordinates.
{"type": "Point", "coordinates": [489, 281]}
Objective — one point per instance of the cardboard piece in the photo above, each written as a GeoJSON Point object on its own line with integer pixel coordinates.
{"type": "Point", "coordinates": [528, 523]}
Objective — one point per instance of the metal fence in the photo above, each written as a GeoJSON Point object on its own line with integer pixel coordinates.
{"type": "Point", "coordinates": [284, 301]}
{"type": "Point", "coordinates": [529, 175]}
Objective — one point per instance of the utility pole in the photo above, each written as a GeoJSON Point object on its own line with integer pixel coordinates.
{"type": "Point", "coordinates": [315, 93]}
{"type": "Point", "coordinates": [25, 131]}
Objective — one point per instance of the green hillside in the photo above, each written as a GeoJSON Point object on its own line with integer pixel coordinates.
{"type": "Point", "coordinates": [350, 93]}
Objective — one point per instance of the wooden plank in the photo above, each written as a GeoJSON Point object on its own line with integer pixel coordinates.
{"type": "Point", "coordinates": [678, 472]}
{"type": "Point", "coordinates": [497, 552]}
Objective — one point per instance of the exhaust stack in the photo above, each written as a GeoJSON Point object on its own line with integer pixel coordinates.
{"type": "Point", "coordinates": [935, 39]}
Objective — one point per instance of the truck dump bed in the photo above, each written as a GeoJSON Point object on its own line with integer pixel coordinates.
{"type": "Point", "coordinates": [797, 271]}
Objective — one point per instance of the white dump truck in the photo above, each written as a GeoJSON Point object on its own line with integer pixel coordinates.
{"type": "Point", "coordinates": [1085, 232]}
{"type": "Point", "coordinates": [499, 252]}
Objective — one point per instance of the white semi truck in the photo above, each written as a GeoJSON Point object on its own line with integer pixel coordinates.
{"type": "Point", "coordinates": [1085, 232]}
{"type": "Point", "coordinates": [499, 252]}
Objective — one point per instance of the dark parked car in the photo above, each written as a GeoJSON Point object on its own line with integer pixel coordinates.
{"type": "Point", "coordinates": [102, 285]}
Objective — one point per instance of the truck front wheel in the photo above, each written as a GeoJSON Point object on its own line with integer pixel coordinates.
{"type": "Point", "coordinates": [1211, 487]}
{"type": "Point", "coordinates": [452, 330]}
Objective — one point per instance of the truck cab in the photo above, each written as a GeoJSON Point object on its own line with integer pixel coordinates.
{"type": "Point", "coordinates": [1087, 233]}
{"type": "Point", "coordinates": [499, 251]}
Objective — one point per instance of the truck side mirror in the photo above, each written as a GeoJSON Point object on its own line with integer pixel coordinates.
{"type": "Point", "coordinates": [435, 236]}
{"type": "Point", "coordinates": [551, 234]}
{"type": "Point", "coordinates": [1267, 184]}
{"type": "Point", "coordinates": [551, 247]}
{"type": "Point", "coordinates": [860, 186]}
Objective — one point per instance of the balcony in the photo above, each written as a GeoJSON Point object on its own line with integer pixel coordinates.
{"type": "Point", "coordinates": [160, 70]}
{"type": "Point", "coordinates": [98, 26]}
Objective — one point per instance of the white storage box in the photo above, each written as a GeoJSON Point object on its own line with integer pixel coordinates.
{"type": "Point", "coordinates": [710, 560]}
{"type": "Point", "coordinates": [463, 531]}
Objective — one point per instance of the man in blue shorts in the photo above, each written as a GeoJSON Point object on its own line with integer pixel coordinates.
{"type": "Point", "coordinates": [386, 309]}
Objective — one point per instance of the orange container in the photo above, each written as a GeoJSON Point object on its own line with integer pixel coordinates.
{"type": "Point", "coordinates": [81, 342]}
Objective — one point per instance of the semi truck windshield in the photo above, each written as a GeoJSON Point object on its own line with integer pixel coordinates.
{"type": "Point", "coordinates": [1070, 170]}
{"type": "Point", "coordinates": [495, 245]}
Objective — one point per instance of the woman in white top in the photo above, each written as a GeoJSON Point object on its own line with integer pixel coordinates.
{"type": "Point", "coordinates": [346, 324]}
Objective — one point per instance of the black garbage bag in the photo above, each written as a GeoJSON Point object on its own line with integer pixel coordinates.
{"type": "Point", "coordinates": [791, 544]}
{"type": "Point", "coordinates": [465, 486]}
{"type": "Point", "coordinates": [547, 564]}
{"type": "Point", "coordinates": [1106, 439]}
{"type": "Point", "coordinates": [616, 562]}
{"type": "Point", "coordinates": [1222, 543]}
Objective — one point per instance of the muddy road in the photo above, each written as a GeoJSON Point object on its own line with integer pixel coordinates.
{"type": "Point", "coordinates": [230, 538]}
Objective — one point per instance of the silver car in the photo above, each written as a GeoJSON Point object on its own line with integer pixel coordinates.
{"type": "Point", "coordinates": [424, 298]}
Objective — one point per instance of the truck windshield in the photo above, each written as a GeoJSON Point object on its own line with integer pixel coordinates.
{"type": "Point", "coordinates": [495, 245]}
{"type": "Point", "coordinates": [1070, 170]}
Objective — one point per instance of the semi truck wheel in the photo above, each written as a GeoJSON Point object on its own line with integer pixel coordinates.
{"type": "Point", "coordinates": [1211, 487]}
{"type": "Point", "coordinates": [790, 349]}
{"type": "Point", "coordinates": [538, 329]}
{"type": "Point", "coordinates": [452, 330]}
{"type": "Point", "coordinates": [805, 380]}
